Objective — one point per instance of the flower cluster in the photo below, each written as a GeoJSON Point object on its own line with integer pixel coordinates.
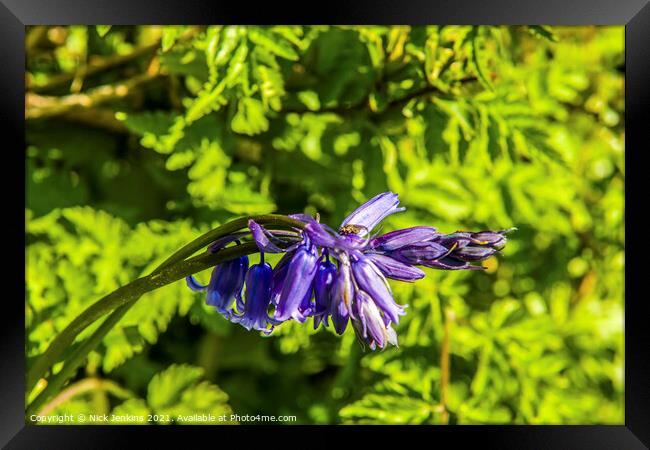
{"type": "Point", "coordinates": [338, 276]}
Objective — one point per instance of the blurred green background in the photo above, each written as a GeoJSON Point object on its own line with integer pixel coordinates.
{"type": "Point", "coordinates": [141, 138]}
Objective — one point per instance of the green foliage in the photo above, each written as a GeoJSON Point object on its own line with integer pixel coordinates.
{"type": "Point", "coordinates": [176, 395]}
{"type": "Point", "coordinates": [476, 127]}
{"type": "Point", "coordinates": [103, 30]}
{"type": "Point", "coordinates": [77, 255]}
{"type": "Point", "coordinates": [176, 391]}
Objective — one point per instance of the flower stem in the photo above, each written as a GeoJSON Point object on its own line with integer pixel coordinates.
{"type": "Point", "coordinates": [226, 229]}
{"type": "Point", "coordinates": [72, 363]}
{"type": "Point", "coordinates": [174, 268]}
{"type": "Point", "coordinates": [81, 387]}
{"type": "Point", "coordinates": [120, 301]}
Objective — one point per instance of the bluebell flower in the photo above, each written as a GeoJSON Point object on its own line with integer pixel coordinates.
{"type": "Point", "coordinates": [298, 282]}
{"type": "Point", "coordinates": [370, 279]}
{"type": "Point", "coordinates": [226, 282]}
{"type": "Point", "coordinates": [372, 326]}
{"type": "Point", "coordinates": [255, 315]}
{"type": "Point", "coordinates": [323, 285]}
{"type": "Point", "coordinates": [340, 276]}
{"type": "Point", "coordinates": [279, 275]}
{"type": "Point", "coordinates": [342, 296]}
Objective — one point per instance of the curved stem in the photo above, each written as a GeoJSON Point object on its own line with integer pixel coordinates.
{"type": "Point", "coordinates": [123, 303]}
{"type": "Point", "coordinates": [64, 339]}
{"type": "Point", "coordinates": [226, 229]}
{"type": "Point", "coordinates": [81, 387]}
{"type": "Point", "coordinates": [167, 272]}
{"type": "Point", "coordinates": [75, 360]}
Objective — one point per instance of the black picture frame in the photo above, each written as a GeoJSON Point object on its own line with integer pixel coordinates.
{"type": "Point", "coordinates": [634, 14]}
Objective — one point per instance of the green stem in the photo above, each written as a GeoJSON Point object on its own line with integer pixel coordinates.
{"type": "Point", "coordinates": [224, 230]}
{"type": "Point", "coordinates": [76, 359]}
{"type": "Point", "coordinates": [121, 303]}
{"type": "Point", "coordinates": [83, 386]}
{"type": "Point", "coordinates": [169, 271]}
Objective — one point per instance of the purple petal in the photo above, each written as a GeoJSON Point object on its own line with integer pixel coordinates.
{"type": "Point", "coordinates": [367, 216]}
{"type": "Point", "coordinates": [420, 253]}
{"type": "Point", "coordinates": [391, 336]}
{"type": "Point", "coordinates": [372, 323]}
{"type": "Point", "coordinates": [351, 242]}
{"type": "Point", "coordinates": [306, 307]}
{"type": "Point", "coordinates": [319, 236]}
{"type": "Point", "coordinates": [261, 236]}
{"type": "Point", "coordinates": [342, 295]}
{"type": "Point", "coordinates": [391, 268]}
{"type": "Point", "coordinates": [472, 253]}
{"type": "Point", "coordinates": [320, 319]}
{"type": "Point", "coordinates": [371, 280]}
{"type": "Point", "coordinates": [300, 274]}
{"type": "Point", "coordinates": [459, 240]}
{"type": "Point", "coordinates": [222, 242]}
{"type": "Point", "coordinates": [307, 218]}
{"type": "Point", "coordinates": [400, 238]}
{"type": "Point", "coordinates": [448, 263]}
{"type": "Point", "coordinates": [495, 239]}
{"type": "Point", "coordinates": [279, 275]}
{"type": "Point", "coordinates": [258, 290]}
{"type": "Point", "coordinates": [226, 284]}
{"type": "Point", "coordinates": [323, 283]}
{"type": "Point", "coordinates": [194, 285]}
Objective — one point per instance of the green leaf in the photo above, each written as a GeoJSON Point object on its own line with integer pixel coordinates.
{"type": "Point", "coordinates": [208, 101]}
{"type": "Point", "coordinates": [102, 30]}
{"type": "Point", "coordinates": [170, 35]}
{"type": "Point", "coordinates": [131, 412]}
{"type": "Point", "coordinates": [150, 125]}
{"type": "Point", "coordinates": [250, 118]}
{"type": "Point", "coordinates": [167, 387]}
{"type": "Point", "coordinates": [542, 32]}
{"type": "Point", "coordinates": [178, 392]}
{"type": "Point", "coordinates": [478, 57]}
{"type": "Point", "coordinates": [272, 43]}
{"type": "Point", "coordinates": [390, 404]}
{"type": "Point", "coordinates": [228, 45]}
{"type": "Point", "coordinates": [186, 63]}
